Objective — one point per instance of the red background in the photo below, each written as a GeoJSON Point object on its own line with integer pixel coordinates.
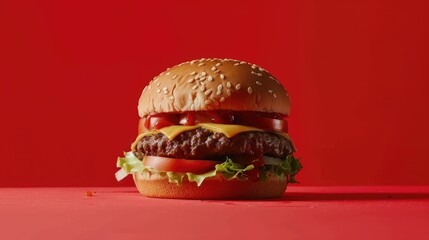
{"type": "Point", "coordinates": [357, 73]}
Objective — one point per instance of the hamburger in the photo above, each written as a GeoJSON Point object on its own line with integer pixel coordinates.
{"type": "Point", "coordinates": [212, 129]}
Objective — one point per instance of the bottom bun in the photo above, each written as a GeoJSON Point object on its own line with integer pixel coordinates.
{"type": "Point", "coordinates": [157, 186]}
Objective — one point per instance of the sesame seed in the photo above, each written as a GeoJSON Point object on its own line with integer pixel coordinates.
{"type": "Point", "coordinates": [195, 87]}
{"type": "Point", "coordinates": [149, 87]}
{"type": "Point", "coordinates": [167, 73]}
{"type": "Point", "coordinates": [242, 62]}
{"type": "Point", "coordinates": [202, 78]}
{"type": "Point", "coordinates": [216, 71]}
{"type": "Point", "coordinates": [165, 88]}
{"type": "Point", "coordinates": [209, 78]}
{"type": "Point", "coordinates": [192, 62]}
{"type": "Point", "coordinates": [158, 84]}
{"type": "Point", "coordinates": [249, 90]}
{"type": "Point", "coordinates": [238, 86]}
{"type": "Point", "coordinates": [203, 74]}
{"type": "Point", "coordinates": [222, 99]}
{"type": "Point", "coordinates": [219, 92]}
{"type": "Point", "coordinates": [165, 92]}
{"type": "Point", "coordinates": [190, 80]}
{"type": "Point", "coordinates": [202, 59]}
{"type": "Point", "coordinates": [213, 68]}
{"type": "Point", "coordinates": [208, 101]}
{"type": "Point", "coordinates": [261, 69]}
{"type": "Point", "coordinates": [175, 76]}
{"type": "Point", "coordinates": [255, 73]}
{"type": "Point", "coordinates": [270, 91]}
{"type": "Point", "coordinates": [219, 87]}
{"type": "Point", "coordinates": [258, 83]}
{"type": "Point", "coordinates": [171, 98]}
{"type": "Point", "coordinates": [158, 91]}
{"type": "Point", "coordinates": [202, 83]}
{"type": "Point", "coordinates": [196, 77]}
{"type": "Point", "coordinates": [202, 88]}
{"type": "Point", "coordinates": [275, 96]}
{"type": "Point", "coordinates": [201, 64]}
{"type": "Point", "coordinates": [222, 76]}
{"type": "Point", "coordinates": [228, 85]}
{"type": "Point", "coordinates": [236, 64]}
{"type": "Point", "coordinates": [254, 66]}
{"type": "Point", "coordinates": [208, 92]}
{"type": "Point", "coordinates": [192, 73]}
{"type": "Point", "coordinates": [217, 64]}
{"type": "Point", "coordinates": [228, 92]}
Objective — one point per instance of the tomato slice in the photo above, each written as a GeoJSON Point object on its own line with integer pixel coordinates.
{"type": "Point", "coordinates": [165, 164]}
{"type": "Point", "coordinates": [192, 118]}
{"type": "Point", "coordinates": [201, 117]}
{"type": "Point", "coordinates": [161, 120]}
{"type": "Point", "coordinates": [222, 117]}
{"type": "Point", "coordinates": [266, 121]}
{"type": "Point", "coordinates": [157, 123]}
{"type": "Point", "coordinates": [262, 122]}
{"type": "Point", "coordinates": [188, 119]}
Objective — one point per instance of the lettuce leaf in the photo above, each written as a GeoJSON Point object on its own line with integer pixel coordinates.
{"type": "Point", "coordinates": [199, 178]}
{"type": "Point", "coordinates": [287, 168]}
{"type": "Point", "coordinates": [129, 164]}
{"type": "Point", "coordinates": [176, 178]}
{"type": "Point", "coordinates": [229, 170]}
{"type": "Point", "coordinates": [295, 167]}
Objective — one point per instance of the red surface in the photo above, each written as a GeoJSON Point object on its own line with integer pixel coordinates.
{"type": "Point", "coordinates": [304, 213]}
{"type": "Point", "coordinates": [71, 73]}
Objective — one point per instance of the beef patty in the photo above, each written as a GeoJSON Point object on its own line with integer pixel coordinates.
{"type": "Point", "coordinates": [201, 143]}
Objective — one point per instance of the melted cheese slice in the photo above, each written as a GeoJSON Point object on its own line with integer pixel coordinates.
{"type": "Point", "coordinates": [228, 130]}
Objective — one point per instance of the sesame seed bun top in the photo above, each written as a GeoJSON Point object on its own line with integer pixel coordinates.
{"type": "Point", "coordinates": [214, 84]}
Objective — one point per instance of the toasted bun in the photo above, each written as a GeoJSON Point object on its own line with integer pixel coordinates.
{"type": "Point", "coordinates": [151, 185]}
{"type": "Point", "coordinates": [214, 84]}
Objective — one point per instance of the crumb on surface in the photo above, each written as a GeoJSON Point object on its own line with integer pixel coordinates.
{"type": "Point", "coordinates": [89, 194]}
